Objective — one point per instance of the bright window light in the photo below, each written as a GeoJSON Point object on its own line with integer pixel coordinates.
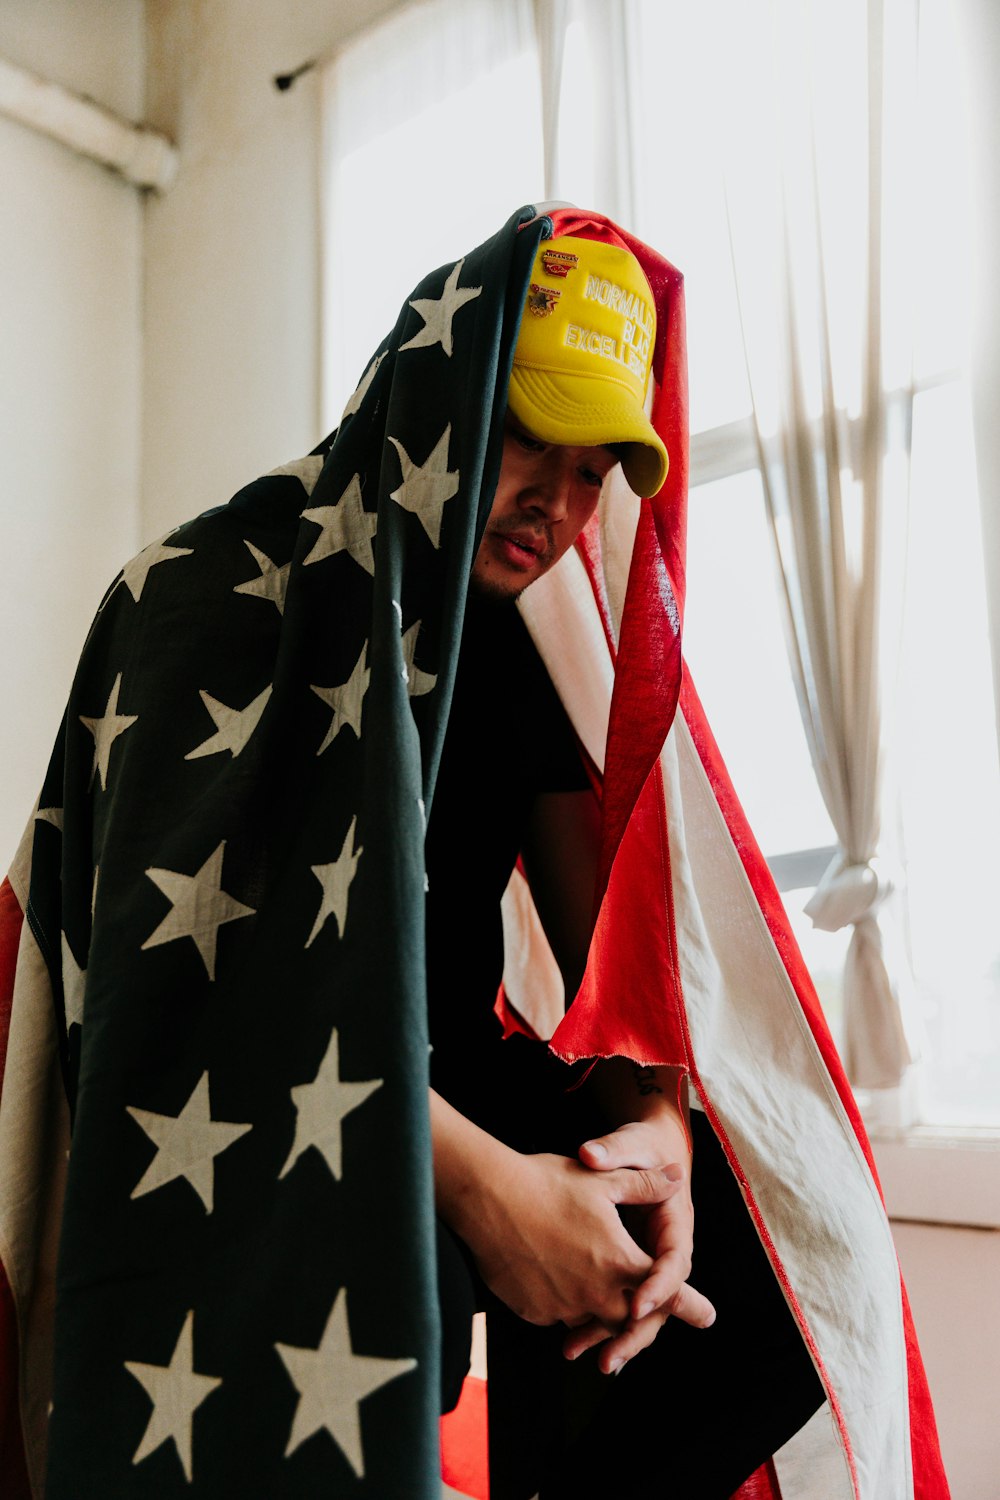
{"type": "Point", "coordinates": [435, 136]}
{"type": "Point", "coordinates": [735, 646]}
{"type": "Point", "coordinates": [425, 179]}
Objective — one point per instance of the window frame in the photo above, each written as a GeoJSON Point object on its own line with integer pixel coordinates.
{"type": "Point", "coordinates": [930, 1174]}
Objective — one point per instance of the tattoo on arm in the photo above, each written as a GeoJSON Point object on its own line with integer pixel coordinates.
{"type": "Point", "coordinates": [645, 1080]}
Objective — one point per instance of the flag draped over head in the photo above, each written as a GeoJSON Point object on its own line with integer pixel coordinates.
{"type": "Point", "coordinates": [216, 1208]}
{"type": "Point", "coordinates": [225, 898]}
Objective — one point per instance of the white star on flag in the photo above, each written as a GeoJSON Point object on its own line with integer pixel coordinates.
{"type": "Point", "coordinates": [417, 682]}
{"type": "Point", "coordinates": [321, 1107]}
{"type": "Point", "coordinates": [199, 907]}
{"type": "Point", "coordinates": [363, 388]}
{"type": "Point", "coordinates": [135, 573]}
{"type": "Point", "coordinates": [233, 726]}
{"type": "Point", "coordinates": [438, 312]}
{"type": "Point", "coordinates": [426, 487]}
{"type": "Point", "coordinates": [52, 815]}
{"type": "Point", "coordinates": [336, 881]}
{"type": "Point", "coordinates": [186, 1144]}
{"type": "Point", "coordinates": [74, 982]}
{"type": "Point", "coordinates": [344, 527]}
{"type": "Point", "coordinates": [332, 1381]}
{"type": "Point", "coordinates": [176, 1392]}
{"type": "Point", "coordinates": [306, 470]}
{"type": "Point", "coordinates": [272, 582]}
{"type": "Point", "coordinates": [346, 700]}
{"type": "Point", "coordinates": [106, 730]}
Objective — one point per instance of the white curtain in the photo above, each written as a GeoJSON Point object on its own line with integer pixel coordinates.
{"type": "Point", "coordinates": [432, 137]}
{"type": "Point", "coordinates": [633, 106]}
{"type": "Point", "coordinates": [591, 108]}
{"type": "Point", "coordinates": [808, 197]}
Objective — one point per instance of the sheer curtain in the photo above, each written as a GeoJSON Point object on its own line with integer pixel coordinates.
{"type": "Point", "coordinates": [592, 111]}
{"type": "Point", "coordinates": [432, 137]}
{"type": "Point", "coordinates": [807, 191]}
{"type": "Point", "coordinates": [804, 167]}
{"type": "Point", "coordinates": [816, 149]}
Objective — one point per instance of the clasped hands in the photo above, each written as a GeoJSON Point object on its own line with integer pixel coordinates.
{"type": "Point", "coordinates": [551, 1244]}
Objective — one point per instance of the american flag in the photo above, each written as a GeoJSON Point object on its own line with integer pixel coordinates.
{"type": "Point", "coordinates": [216, 1223]}
{"type": "Point", "coordinates": [224, 906]}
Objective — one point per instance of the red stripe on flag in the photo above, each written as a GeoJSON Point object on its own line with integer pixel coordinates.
{"type": "Point", "coordinates": [760, 1486]}
{"type": "Point", "coordinates": [649, 645]}
{"type": "Point", "coordinates": [929, 1482]}
{"type": "Point", "coordinates": [11, 922]}
{"type": "Point", "coordinates": [13, 1473]}
{"type": "Point", "coordinates": [629, 1002]}
{"type": "Point", "coordinates": [465, 1455]}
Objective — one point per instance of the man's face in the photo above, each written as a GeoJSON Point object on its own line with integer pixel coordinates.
{"type": "Point", "coordinates": [545, 495]}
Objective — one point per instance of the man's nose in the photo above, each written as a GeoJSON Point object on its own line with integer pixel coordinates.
{"type": "Point", "coordinates": [549, 490]}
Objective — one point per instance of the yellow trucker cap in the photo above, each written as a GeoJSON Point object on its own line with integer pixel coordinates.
{"type": "Point", "coordinates": [583, 355]}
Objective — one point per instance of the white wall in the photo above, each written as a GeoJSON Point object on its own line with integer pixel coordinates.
{"type": "Point", "coordinates": [155, 353]}
{"type": "Point", "coordinates": [953, 1275]}
{"type": "Point", "coordinates": [953, 1278]}
{"type": "Point", "coordinates": [70, 377]}
{"type": "Point", "coordinates": [232, 282]}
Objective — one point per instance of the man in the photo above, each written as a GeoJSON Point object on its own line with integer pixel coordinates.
{"type": "Point", "coordinates": [227, 951]}
{"type": "Point", "coordinates": [541, 1220]}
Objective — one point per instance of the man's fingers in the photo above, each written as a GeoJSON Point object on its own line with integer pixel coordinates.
{"type": "Point", "coordinates": [686, 1303]}
{"type": "Point", "coordinates": [645, 1184]}
{"type": "Point", "coordinates": [691, 1307]}
{"type": "Point", "coordinates": [670, 1269]}
{"type": "Point", "coordinates": [626, 1345]}
{"type": "Point", "coordinates": [580, 1339]}
{"type": "Point", "coordinates": [632, 1145]}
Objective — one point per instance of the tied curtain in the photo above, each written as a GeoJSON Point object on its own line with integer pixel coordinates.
{"type": "Point", "coordinates": [827, 338]}
{"type": "Point", "coordinates": [817, 222]}
{"type": "Point", "coordinates": [816, 188]}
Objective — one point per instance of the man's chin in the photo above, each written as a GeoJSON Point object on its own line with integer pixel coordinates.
{"type": "Point", "coordinates": [493, 590]}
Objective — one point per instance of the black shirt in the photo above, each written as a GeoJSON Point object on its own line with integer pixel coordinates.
{"type": "Point", "coordinates": [508, 740]}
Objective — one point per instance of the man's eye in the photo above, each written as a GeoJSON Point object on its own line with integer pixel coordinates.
{"type": "Point", "coordinates": [529, 444]}
{"type": "Point", "coordinates": [592, 477]}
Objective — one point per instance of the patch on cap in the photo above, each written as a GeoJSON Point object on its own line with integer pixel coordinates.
{"type": "Point", "coordinates": [558, 262]}
{"type": "Point", "coordinates": [542, 299]}
{"type": "Point", "coordinates": [582, 360]}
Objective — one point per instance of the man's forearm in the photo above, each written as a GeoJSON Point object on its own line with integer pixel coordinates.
{"type": "Point", "coordinates": [628, 1092]}
{"type": "Point", "coordinates": [465, 1157]}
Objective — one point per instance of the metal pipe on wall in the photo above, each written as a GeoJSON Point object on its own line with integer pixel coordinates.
{"type": "Point", "coordinates": [143, 157]}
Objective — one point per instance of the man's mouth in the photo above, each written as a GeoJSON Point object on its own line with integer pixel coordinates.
{"type": "Point", "coordinates": [528, 544]}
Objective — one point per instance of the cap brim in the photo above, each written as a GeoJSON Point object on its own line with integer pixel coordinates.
{"type": "Point", "coordinates": [579, 410]}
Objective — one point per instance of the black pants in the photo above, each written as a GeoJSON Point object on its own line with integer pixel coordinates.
{"type": "Point", "coordinates": [690, 1418]}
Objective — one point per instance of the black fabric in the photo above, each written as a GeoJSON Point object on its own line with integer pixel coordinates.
{"type": "Point", "coordinates": [508, 740]}
{"type": "Point", "coordinates": [691, 1417]}
{"type": "Point", "coordinates": [257, 929]}
{"type": "Point", "coordinates": [730, 1395]}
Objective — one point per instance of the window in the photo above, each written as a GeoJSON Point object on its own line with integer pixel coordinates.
{"type": "Point", "coordinates": [425, 158]}
{"type": "Point", "coordinates": [445, 99]}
